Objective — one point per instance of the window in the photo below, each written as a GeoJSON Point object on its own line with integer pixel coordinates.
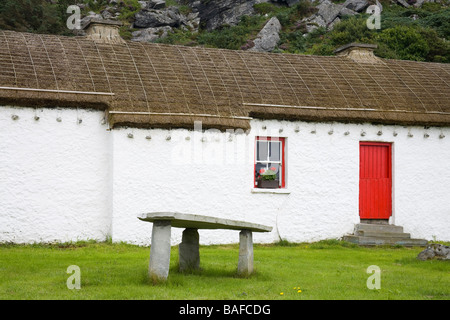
{"type": "Point", "coordinates": [270, 155]}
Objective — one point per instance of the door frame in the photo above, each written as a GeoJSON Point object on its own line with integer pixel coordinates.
{"type": "Point", "coordinates": [391, 176]}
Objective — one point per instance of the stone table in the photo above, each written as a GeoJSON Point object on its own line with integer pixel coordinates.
{"type": "Point", "coordinates": [189, 246]}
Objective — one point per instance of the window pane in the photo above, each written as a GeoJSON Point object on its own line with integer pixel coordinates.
{"type": "Point", "coordinates": [261, 150]}
{"type": "Point", "coordinates": [274, 151]}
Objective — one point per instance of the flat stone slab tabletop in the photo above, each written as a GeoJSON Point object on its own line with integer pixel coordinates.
{"type": "Point", "coordinates": [189, 246]}
{"type": "Point", "coordinates": [193, 221]}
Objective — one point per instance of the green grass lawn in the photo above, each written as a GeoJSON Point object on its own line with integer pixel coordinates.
{"type": "Point", "coordinates": [322, 270]}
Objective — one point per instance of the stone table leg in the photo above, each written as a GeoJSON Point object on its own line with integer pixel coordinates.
{"type": "Point", "coordinates": [245, 264]}
{"type": "Point", "coordinates": [189, 253]}
{"type": "Point", "coordinates": [160, 251]}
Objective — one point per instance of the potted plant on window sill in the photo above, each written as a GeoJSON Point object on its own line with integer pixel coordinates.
{"type": "Point", "coordinates": [267, 179]}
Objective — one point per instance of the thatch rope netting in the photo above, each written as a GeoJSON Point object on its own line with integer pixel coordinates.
{"type": "Point", "coordinates": [155, 85]}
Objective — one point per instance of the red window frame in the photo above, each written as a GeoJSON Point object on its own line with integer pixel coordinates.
{"type": "Point", "coordinates": [283, 158]}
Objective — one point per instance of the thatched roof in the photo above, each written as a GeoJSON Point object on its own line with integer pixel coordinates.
{"type": "Point", "coordinates": [156, 85]}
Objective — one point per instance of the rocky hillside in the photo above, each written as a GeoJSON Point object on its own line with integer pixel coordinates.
{"type": "Point", "coordinates": [408, 29]}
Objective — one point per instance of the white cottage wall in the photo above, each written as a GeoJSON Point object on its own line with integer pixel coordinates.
{"type": "Point", "coordinates": [422, 183]}
{"type": "Point", "coordinates": [67, 181]}
{"type": "Point", "coordinates": [211, 173]}
{"type": "Point", "coordinates": [54, 175]}
{"type": "Point", "coordinates": [177, 171]}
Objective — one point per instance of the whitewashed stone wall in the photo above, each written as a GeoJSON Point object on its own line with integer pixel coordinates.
{"type": "Point", "coordinates": [68, 181]}
{"type": "Point", "coordinates": [54, 175]}
{"type": "Point", "coordinates": [167, 173]}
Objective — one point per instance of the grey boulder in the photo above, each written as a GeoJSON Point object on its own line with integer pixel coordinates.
{"type": "Point", "coordinates": [268, 38]}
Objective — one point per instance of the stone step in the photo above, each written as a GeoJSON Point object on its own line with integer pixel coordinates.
{"type": "Point", "coordinates": [377, 234]}
{"type": "Point", "coordinates": [382, 228]}
{"type": "Point", "coordinates": [374, 241]}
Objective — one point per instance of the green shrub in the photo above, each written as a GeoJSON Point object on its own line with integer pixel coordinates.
{"type": "Point", "coordinates": [439, 21]}
{"type": "Point", "coordinates": [170, 3]}
{"type": "Point", "coordinates": [180, 37]}
{"type": "Point", "coordinates": [439, 49]}
{"type": "Point", "coordinates": [128, 9]}
{"type": "Point", "coordinates": [265, 8]}
{"type": "Point", "coordinates": [403, 42]}
{"type": "Point", "coordinates": [35, 16]}
{"type": "Point", "coordinates": [96, 5]}
{"type": "Point", "coordinates": [293, 42]}
{"type": "Point", "coordinates": [352, 29]}
{"type": "Point", "coordinates": [304, 8]}
{"type": "Point", "coordinates": [289, 16]}
{"type": "Point", "coordinates": [232, 37]}
{"type": "Point", "coordinates": [321, 50]}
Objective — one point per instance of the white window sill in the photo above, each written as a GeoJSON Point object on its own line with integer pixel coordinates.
{"type": "Point", "coordinates": [278, 191]}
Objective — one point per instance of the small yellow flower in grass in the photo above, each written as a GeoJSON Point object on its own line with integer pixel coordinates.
{"type": "Point", "coordinates": [299, 291]}
{"type": "Point", "coordinates": [281, 293]}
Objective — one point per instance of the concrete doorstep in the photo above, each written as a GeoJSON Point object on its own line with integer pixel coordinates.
{"type": "Point", "coordinates": [381, 234]}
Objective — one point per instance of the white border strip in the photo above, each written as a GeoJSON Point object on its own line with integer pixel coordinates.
{"type": "Point", "coordinates": [59, 91]}
{"type": "Point", "coordinates": [180, 114]}
{"type": "Point", "coordinates": [341, 109]}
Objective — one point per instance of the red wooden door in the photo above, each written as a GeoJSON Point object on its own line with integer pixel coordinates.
{"type": "Point", "coordinates": [375, 180]}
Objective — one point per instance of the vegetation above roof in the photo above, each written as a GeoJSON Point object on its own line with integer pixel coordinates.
{"type": "Point", "coordinates": [411, 33]}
